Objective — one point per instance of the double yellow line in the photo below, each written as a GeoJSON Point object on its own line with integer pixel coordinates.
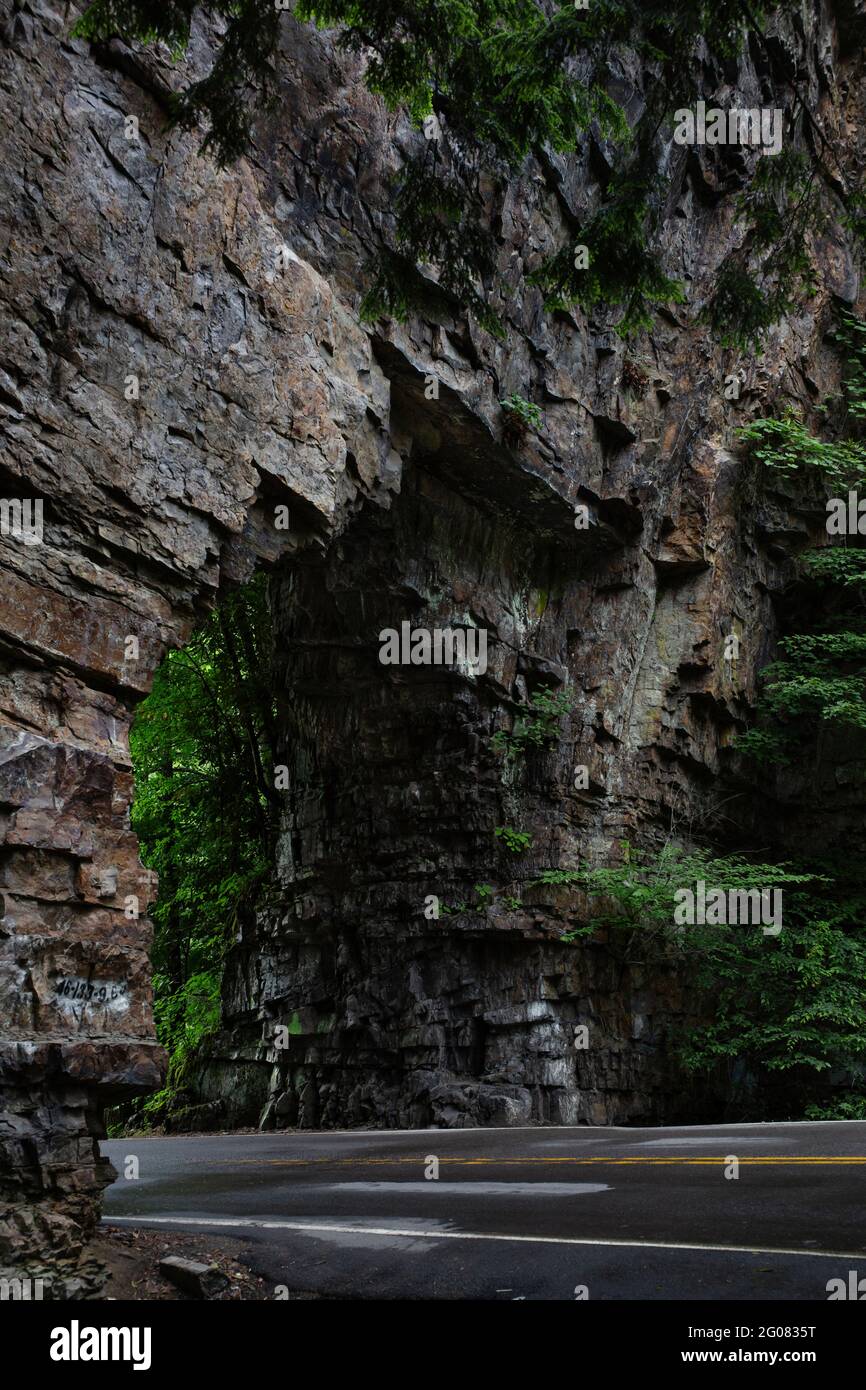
{"type": "Point", "coordinates": [479, 1161]}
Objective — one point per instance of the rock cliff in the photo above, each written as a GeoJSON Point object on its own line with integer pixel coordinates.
{"type": "Point", "coordinates": [182, 355]}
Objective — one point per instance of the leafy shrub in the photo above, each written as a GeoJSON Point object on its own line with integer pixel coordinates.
{"type": "Point", "coordinates": [796, 1000]}
{"type": "Point", "coordinates": [516, 841]}
{"type": "Point", "coordinates": [535, 727]}
{"type": "Point", "coordinates": [204, 813]}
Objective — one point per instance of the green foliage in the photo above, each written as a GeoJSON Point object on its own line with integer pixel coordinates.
{"type": "Point", "coordinates": [822, 676]}
{"type": "Point", "coordinates": [836, 564]}
{"type": "Point", "coordinates": [795, 1000]}
{"type": "Point", "coordinates": [742, 310]}
{"type": "Point", "coordinates": [515, 841]}
{"type": "Point", "coordinates": [185, 1017]}
{"type": "Point", "coordinates": [524, 412]}
{"type": "Point", "coordinates": [789, 447]}
{"type": "Point", "coordinates": [765, 746]}
{"type": "Point", "coordinates": [204, 811]}
{"type": "Point", "coordinates": [537, 727]}
{"type": "Point", "coordinates": [244, 60]}
{"type": "Point", "coordinates": [800, 999]}
{"type": "Point", "coordinates": [850, 338]}
{"type": "Point", "coordinates": [791, 1001]}
{"type": "Point", "coordinates": [149, 21]}
{"type": "Point", "coordinates": [494, 74]}
{"type": "Point", "coordinates": [499, 69]}
{"type": "Point", "coordinates": [485, 897]}
{"type": "Point", "coordinates": [507, 79]}
{"type": "Point", "coordinates": [771, 272]}
{"type": "Point", "coordinates": [622, 271]}
{"type": "Point", "coordinates": [505, 58]}
{"type": "Point", "coordinates": [819, 678]}
{"type": "Point", "coordinates": [851, 1105]}
{"type": "Point", "coordinates": [638, 897]}
{"type": "Point", "coordinates": [437, 223]}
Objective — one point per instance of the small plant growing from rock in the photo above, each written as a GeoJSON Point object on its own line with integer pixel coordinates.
{"type": "Point", "coordinates": [537, 726]}
{"type": "Point", "coordinates": [485, 894]}
{"type": "Point", "coordinates": [520, 416]}
{"type": "Point", "coordinates": [634, 378]}
{"type": "Point", "coordinates": [516, 841]}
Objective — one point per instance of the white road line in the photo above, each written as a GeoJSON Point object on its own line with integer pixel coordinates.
{"type": "Point", "coordinates": [246, 1221]}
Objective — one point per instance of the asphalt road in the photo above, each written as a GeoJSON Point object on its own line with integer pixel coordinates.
{"type": "Point", "coordinates": [519, 1213]}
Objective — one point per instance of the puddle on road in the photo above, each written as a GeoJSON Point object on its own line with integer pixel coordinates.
{"type": "Point", "coordinates": [379, 1239]}
{"type": "Point", "coordinates": [732, 1141]}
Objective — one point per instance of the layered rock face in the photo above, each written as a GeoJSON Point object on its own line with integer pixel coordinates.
{"type": "Point", "coordinates": [182, 355]}
{"type": "Point", "coordinates": [391, 1015]}
{"type": "Point", "coordinates": [163, 387]}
